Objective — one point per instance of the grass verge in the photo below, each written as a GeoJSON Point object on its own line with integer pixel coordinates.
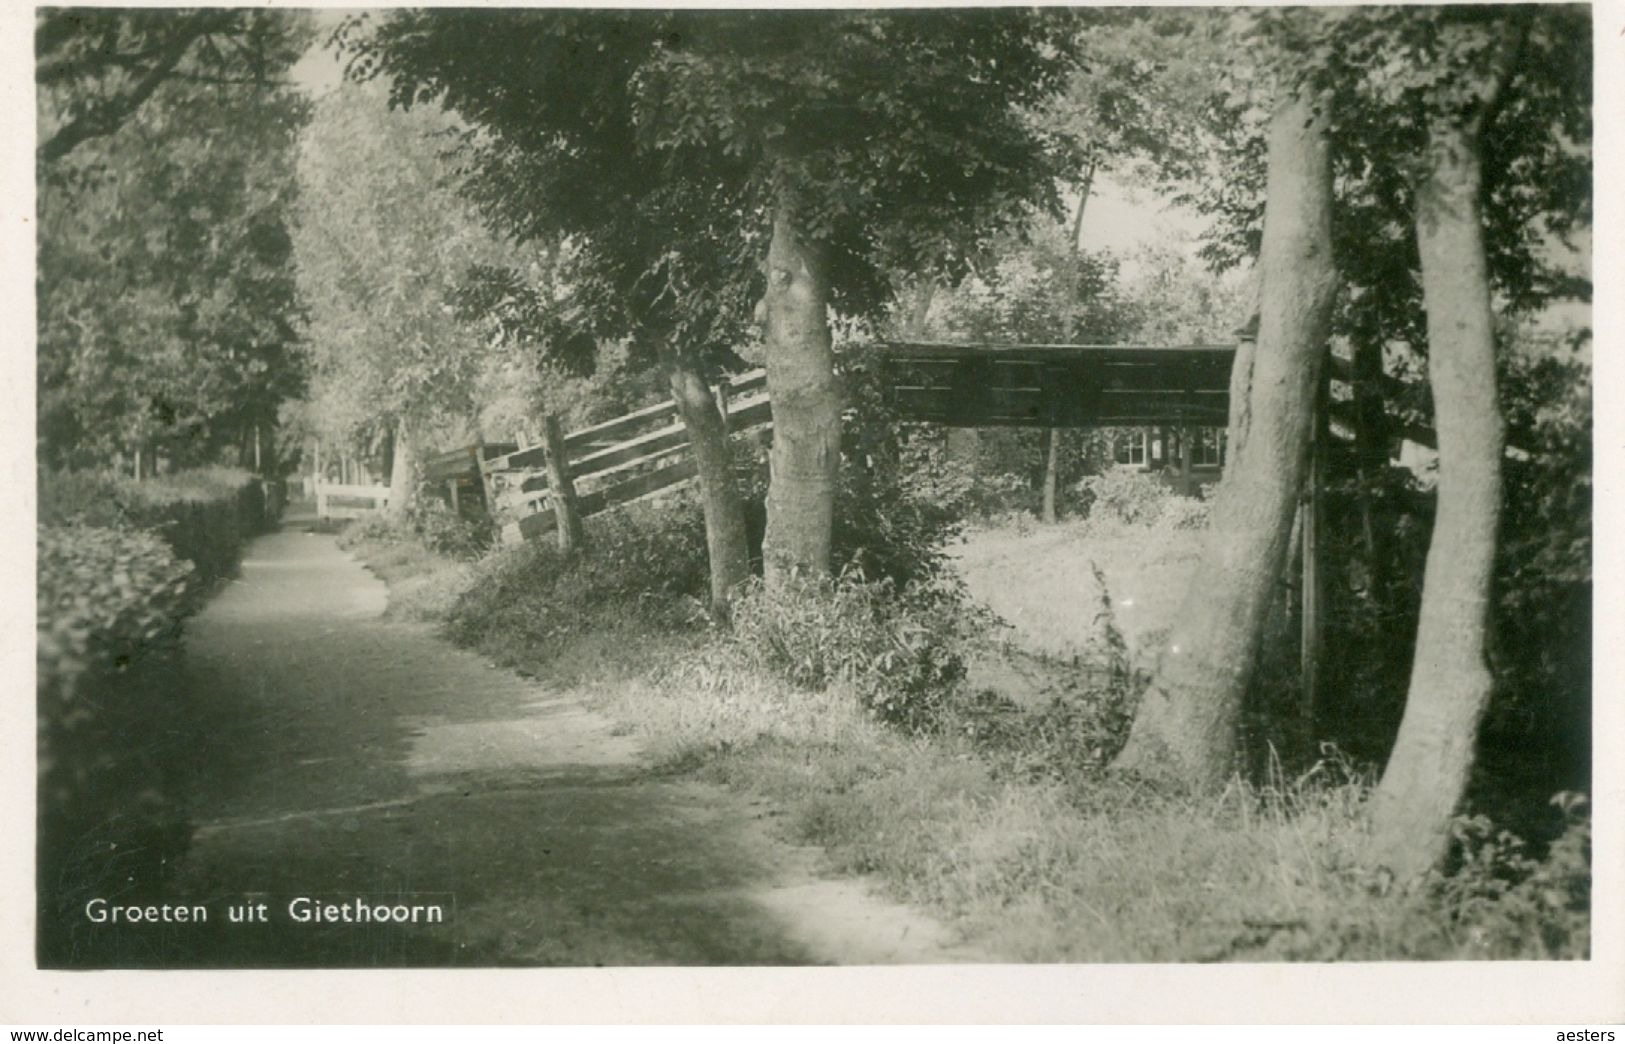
{"type": "Point", "coordinates": [1008, 830]}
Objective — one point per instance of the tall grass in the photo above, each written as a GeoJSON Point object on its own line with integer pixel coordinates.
{"type": "Point", "coordinates": [1001, 820]}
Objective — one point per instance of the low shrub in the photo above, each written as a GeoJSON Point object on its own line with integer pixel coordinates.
{"type": "Point", "coordinates": [112, 734]}
{"type": "Point", "coordinates": [1122, 496]}
{"type": "Point", "coordinates": [901, 651]}
{"type": "Point", "coordinates": [1184, 513]}
{"type": "Point", "coordinates": [1074, 737]}
{"type": "Point", "coordinates": [445, 532]}
{"type": "Point", "coordinates": [1503, 902]}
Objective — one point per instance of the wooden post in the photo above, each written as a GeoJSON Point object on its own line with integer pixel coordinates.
{"type": "Point", "coordinates": [1314, 588]}
{"type": "Point", "coordinates": [456, 504]}
{"type": "Point", "coordinates": [1187, 459]}
{"type": "Point", "coordinates": [1052, 473]}
{"type": "Point", "coordinates": [257, 469]}
{"type": "Point", "coordinates": [561, 490]}
{"type": "Point", "coordinates": [485, 479]}
{"type": "Point", "coordinates": [721, 394]}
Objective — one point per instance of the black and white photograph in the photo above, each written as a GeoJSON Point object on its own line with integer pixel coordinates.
{"type": "Point", "coordinates": [955, 487]}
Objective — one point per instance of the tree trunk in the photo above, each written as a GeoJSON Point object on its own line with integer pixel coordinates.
{"type": "Point", "coordinates": [1186, 727]}
{"type": "Point", "coordinates": [920, 315]}
{"type": "Point", "coordinates": [1086, 185]}
{"type": "Point", "coordinates": [1052, 471]}
{"type": "Point", "coordinates": [1450, 677]}
{"type": "Point", "coordinates": [402, 471]}
{"type": "Point", "coordinates": [726, 543]}
{"type": "Point", "coordinates": [805, 459]}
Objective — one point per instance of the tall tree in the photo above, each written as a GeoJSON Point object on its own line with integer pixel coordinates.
{"type": "Point", "coordinates": [1186, 726]}
{"type": "Point", "coordinates": [381, 258]}
{"type": "Point", "coordinates": [1384, 80]}
{"type": "Point", "coordinates": [832, 148]}
{"type": "Point", "coordinates": [1472, 58]}
{"type": "Point", "coordinates": [646, 261]}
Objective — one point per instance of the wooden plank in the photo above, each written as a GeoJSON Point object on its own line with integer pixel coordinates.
{"type": "Point", "coordinates": [354, 490]}
{"type": "Point", "coordinates": [662, 441]}
{"type": "Point", "coordinates": [617, 429]}
{"type": "Point", "coordinates": [538, 483]}
{"type": "Point", "coordinates": [913, 350]}
{"type": "Point", "coordinates": [562, 490]}
{"type": "Point", "coordinates": [1344, 413]}
{"type": "Point", "coordinates": [576, 442]}
{"type": "Point", "coordinates": [534, 526]}
{"type": "Point", "coordinates": [1342, 371]}
{"type": "Point", "coordinates": [636, 489]}
{"type": "Point", "coordinates": [630, 451]}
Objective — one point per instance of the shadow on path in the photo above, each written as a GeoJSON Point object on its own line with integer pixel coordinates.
{"type": "Point", "coordinates": [350, 758]}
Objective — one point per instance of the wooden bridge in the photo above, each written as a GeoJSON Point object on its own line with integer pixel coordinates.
{"type": "Point", "coordinates": [1038, 385]}
{"type": "Point", "coordinates": [959, 385]}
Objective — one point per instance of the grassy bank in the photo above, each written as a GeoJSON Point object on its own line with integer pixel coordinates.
{"type": "Point", "coordinates": [998, 818]}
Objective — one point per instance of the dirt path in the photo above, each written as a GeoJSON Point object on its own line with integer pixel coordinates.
{"type": "Point", "coordinates": [348, 756]}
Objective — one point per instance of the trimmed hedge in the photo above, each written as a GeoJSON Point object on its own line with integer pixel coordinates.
{"type": "Point", "coordinates": [112, 734]}
{"type": "Point", "coordinates": [120, 566]}
{"type": "Point", "coordinates": [205, 515]}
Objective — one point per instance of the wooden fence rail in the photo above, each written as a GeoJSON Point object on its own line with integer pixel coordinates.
{"type": "Point", "coordinates": [338, 500]}
{"type": "Point", "coordinates": [646, 451]}
{"type": "Point", "coordinates": [625, 459]}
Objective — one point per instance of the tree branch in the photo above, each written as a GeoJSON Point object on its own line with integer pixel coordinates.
{"type": "Point", "coordinates": [108, 117]}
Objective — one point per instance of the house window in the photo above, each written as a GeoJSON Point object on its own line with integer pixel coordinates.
{"type": "Point", "coordinates": [1130, 449]}
{"type": "Point", "coordinates": [1207, 451]}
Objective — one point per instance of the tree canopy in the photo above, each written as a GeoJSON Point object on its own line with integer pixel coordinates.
{"type": "Point", "coordinates": [383, 247]}
{"type": "Point", "coordinates": [166, 302]}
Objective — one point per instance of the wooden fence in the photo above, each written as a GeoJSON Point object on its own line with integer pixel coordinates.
{"type": "Point", "coordinates": [582, 473]}
{"type": "Point", "coordinates": [646, 452]}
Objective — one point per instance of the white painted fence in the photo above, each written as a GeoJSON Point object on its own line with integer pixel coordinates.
{"type": "Point", "coordinates": [337, 500]}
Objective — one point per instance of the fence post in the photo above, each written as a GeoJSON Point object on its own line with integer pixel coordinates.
{"type": "Point", "coordinates": [1314, 588]}
{"type": "Point", "coordinates": [721, 394]}
{"type": "Point", "coordinates": [485, 479]}
{"type": "Point", "coordinates": [561, 490]}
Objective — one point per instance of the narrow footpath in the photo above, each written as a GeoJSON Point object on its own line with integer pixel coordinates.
{"type": "Point", "coordinates": [348, 757]}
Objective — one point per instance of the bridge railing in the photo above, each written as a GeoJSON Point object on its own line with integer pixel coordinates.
{"type": "Point", "coordinates": [645, 452]}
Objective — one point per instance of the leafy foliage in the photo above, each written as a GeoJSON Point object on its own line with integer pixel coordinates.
{"type": "Point", "coordinates": [900, 651]}
{"type": "Point", "coordinates": [1503, 901]}
{"type": "Point", "coordinates": [111, 733]}
{"type": "Point", "coordinates": [205, 515]}
{"type": "Point", "coordinates": [95, 69]}
{"type": "Point", "coordinates": [1381, 71]}
{"type": "Point", "coordinates": [167, 309]}
{"type": "Point", "coordinates": [104, 595]}
{"type": "Point", "coordinates": [1120, 496]}
{"type": "Point", "coordinates": [641, 568]}
{"type": "Point", "coordinates": [431, 522]}
{"type": "Point", "coordinates": [895, 132]}
{"type": "Point", "coordinates": [383, 261]}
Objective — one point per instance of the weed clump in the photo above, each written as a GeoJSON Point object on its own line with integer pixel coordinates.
{"type": "Point", "coordinates": [902, 651]}
{"type": "Point", "coordinates": [429, 522]}
{"type": "Point", "coordinates": [641, 570]}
